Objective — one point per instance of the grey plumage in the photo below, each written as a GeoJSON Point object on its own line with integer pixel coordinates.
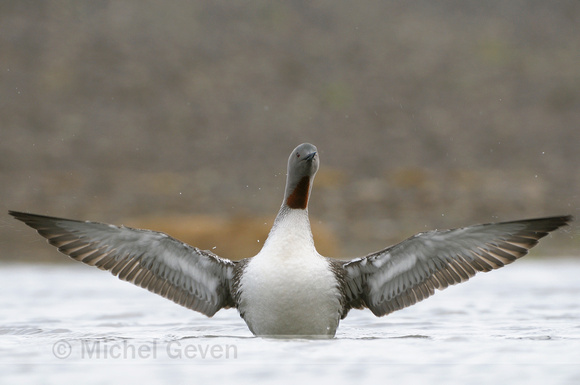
{"type": "Point", "coordinates": [194, 278]}
{"type": "Point", "coordinates": [406, 273]}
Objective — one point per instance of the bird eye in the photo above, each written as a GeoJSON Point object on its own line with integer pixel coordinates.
{"type": "Point", "coordinates": [298, 155]}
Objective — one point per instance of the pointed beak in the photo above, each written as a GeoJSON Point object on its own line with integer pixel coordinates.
{"type": "Point", "coordinates": [309, 157]}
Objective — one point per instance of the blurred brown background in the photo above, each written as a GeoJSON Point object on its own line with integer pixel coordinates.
{"type": "Point", "coordinates": [180, 116]}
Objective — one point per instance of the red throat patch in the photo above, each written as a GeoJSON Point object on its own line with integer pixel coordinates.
{"type": "Point", "coordinates": [299, 197]}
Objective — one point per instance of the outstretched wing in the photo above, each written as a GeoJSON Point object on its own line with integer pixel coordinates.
{"type": "Point", "coordinates": [191, 277]}
{"type": "Point", "coordinates": [404, 274]}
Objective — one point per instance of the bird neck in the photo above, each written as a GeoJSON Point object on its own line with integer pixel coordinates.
{"type": "Point", "coordinates": [297, 194]}
{"type": "Point", "coordinates": [291, 226]}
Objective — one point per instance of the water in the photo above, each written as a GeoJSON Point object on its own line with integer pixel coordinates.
{"type": "Point", "coordinates": [72, 323]}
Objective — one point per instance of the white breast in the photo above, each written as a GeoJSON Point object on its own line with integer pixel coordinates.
{"type": "Point", "coordinates": [288, 289]}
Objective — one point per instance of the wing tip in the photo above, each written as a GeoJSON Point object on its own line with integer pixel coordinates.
{"type": "Point", "coordinates": [549, 224]}
{"type": "Point", "coordinates": [563, 219]}
{"type": "Point", "coordinates": [29, 219]}
{"type": "Point", "coordinates": [567, 219]}
{"type": "Point", "coordinates": [18, 214]}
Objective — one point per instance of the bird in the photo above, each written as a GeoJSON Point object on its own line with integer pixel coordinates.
{"type": "Point", "coordinates": [289, 290]}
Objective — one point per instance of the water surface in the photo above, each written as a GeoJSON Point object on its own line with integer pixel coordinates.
{"type": "Point", "coordinates": [72, 323]}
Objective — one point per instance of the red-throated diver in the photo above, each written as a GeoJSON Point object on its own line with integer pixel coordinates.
{"type": "Point", "coordinates": [288, 289]}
